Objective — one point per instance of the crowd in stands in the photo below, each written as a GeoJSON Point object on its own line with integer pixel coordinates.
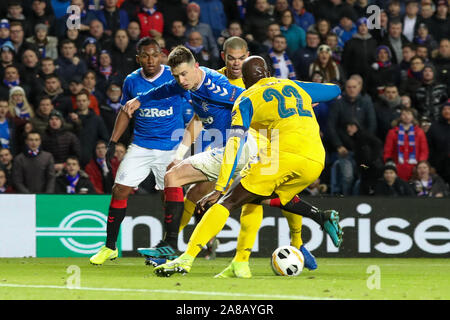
{"type": "Point", "coordinates": [387, 134]}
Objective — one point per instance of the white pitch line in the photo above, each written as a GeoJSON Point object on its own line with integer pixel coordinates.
{"type": "Point", "coordinates": [201, 293]}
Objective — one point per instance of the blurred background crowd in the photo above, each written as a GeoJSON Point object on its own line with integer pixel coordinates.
{"type": "Point", "coordinates": [387, 134]}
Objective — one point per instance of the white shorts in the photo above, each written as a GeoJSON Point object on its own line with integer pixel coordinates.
{"type": "Point", "coordinates": [139, 162]}
{"type": "Point", "coordinates": [209, 162]}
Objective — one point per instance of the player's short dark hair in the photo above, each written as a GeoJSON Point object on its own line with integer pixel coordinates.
{"type": "Point", "coordinates": [179, 55]}
{"type": "Point", "coordinates": [235, 43]}
{"type": "Point", "coordinates": [146, 41]}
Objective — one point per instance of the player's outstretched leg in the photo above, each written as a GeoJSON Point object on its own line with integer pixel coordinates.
{"type": "Point", "coordinates": [327, 219]}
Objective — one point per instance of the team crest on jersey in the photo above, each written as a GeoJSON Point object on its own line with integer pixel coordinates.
{"type": "Point", "coordinates": [205, 106]}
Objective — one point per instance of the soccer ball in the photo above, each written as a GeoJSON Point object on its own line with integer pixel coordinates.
{"type": "Point", "coordinates": [287, 261]}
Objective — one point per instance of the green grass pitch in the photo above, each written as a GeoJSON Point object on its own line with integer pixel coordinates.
{"type": "Point", "coordinates": [130, 278]}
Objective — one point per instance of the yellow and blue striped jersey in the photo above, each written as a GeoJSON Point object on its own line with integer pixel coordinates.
{"type": "Point", "coordinates": [281, 113]}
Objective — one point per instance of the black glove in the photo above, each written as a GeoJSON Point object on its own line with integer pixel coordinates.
{"type": "Point", "coordinates": [110, 150]}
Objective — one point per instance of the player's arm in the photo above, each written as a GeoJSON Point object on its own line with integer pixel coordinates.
{"type": "Point", "coordinates": [224, 92]}
{"type": "Point", "coordinates": [242, 115]}
{"type": "Point", "coordinates": [192, 131]}
{"type": "Point", "coordinates": [165, 90]}
{"type": "Point", "coordinates": [320, 92]}
{"type": "Point", "coordinates": [121, 124]}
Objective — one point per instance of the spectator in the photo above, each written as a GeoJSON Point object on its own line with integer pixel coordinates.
{"type": "Point", "coordinates": [201, 54]}
{"type": "Point", "coordinates": [442, 61]}
{"type": "Point", "coordinates": [257, 21]}
{"type": "Point", "coordinates": [110, 109]}
{"type": "Point", "coordinates": [411, 20]}
{"type": "Point", "coordinates": [423, 37]}
{"type": "Point", "coordinates": [6, 162]}
{"type": "Point", "coordinates": [333, 10]}
{"type": "Point", "coordinates": [15, 14]}
{"type": "Point", "coordinates": [395, 40]}
{"type": "Point", "coordinates": [345, 29]}
{"type": "Point", "coordinates": [30, 70]}
{"type": "Point", "coordinates": [408, 52]}
{"type": "Point", "coordinates": [7, 128]}
{"type": "Point", "coordinates": [93, 127]}
{"type": "Point", "coordinates": [47, 45]}
{"type": "Point", "coordinates": [134, 32]}
{"type": "Point", "coordinates": [431, 96]}
{"type": "Point", "coordinates": [414, 77]}
{"type": "Point", "coordinates": [235, 30]}
{"type": "Point", "coordinates": [302, 17]}
{"type": "Point", "coordinates": [33, 170]}
{"type": "Point", "coordinates": [59, 141]}
{"type": "Point", "coordinates": [101, 172]}
{"type": "Point", "coordinates": [382, 32]}
{"type": "Point", "coordinates": [441, 24]}
{"type": "Point", "coordinates": [41, 14]}
{"type": "Point", "coordinates": [281, 63]}
{"type": "Point", "coordinates": [426, 183]}
{"type": "Point", "coordinates": [279, 7]}
{"type": "Point", "coordinates": [75, 87]}
{"type": "Point", "coordinates": [17, 35]}
{"type": "Point", "coordinates": [6, 57]}
{"type": "Point", "coordinates": [93, 85]}
{"type": "Point", "coordinates": [332, 42]}
{"type": "Point", "coordinates": [177, 36]}
{"type": "Point", "coordinates": [4, 31]}
{"type": "Point", "coordinates": [73, 180]}
{"type": "Point", "coordinates": [194, 24]}
{"type": "Point", "coordinates": [19, 105]}
{"type": "Point", "coordinates": [4, 183]}
{"type": "Point", "coordinates": [367, 153]}
{"type": "Point", "coordinates": [96, 31]}
{"type": "Point", "coordinates": [150, 20]}
{"type": "Point", "coordinates": [303, 57]}
{"type": "Point", "coordinates": [120, 151]}
{"type": "Point", "coordinates": [422, 51]}
{"type": "Point", "coordinates": [358, 54]}
{"type": "Point", "coordinates": [60, 100]}
{"type": "Point", "coordinates": [426, 14]}
{"type": "Point", "coordinates": [112, 17]}
{"type": "Point", "coordinates": [106, 70]}
{"type": "Point", "coordinates": [172, 10]}
{"type": "Point", "coordinates": [89, 53]}
{"type": "Point", "coordinates": [394, 9]}
{"type": "Point", "coordinates": [406, 144]}
{"type": "Point", "coordinates": [438, 137]}
{"type": "Point", "coordinates": [40, 121]}
{"type": "Point", "coordinates": [391, 185]}
{"type": "Point", "coordinates": [352, 105]}
{"type": "Point", "coordinates": [76, 37]}
{"type": "Point", "coordinates": [326, 65]}
{"type": "Point", "coordinates": [323, 28]}
{"type": "Point", "coordinates": [12, 79]}
{"type": "Point", "coordinates": [382, 72]}
{"type": "Point", "coordinates": [273, 29]}
{"type": "Point", "coordinates": [295, 35]}
{"type": "Point", "coordinates": [387, 109]}
{"type": "Point", "coordinates": [69, 64]}
{"type": "Point", "coordinates": [213, 15]}
{"type": "Point", "coordinates": [123, 54]}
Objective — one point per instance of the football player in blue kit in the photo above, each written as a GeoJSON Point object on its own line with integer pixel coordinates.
{"type": "Point", "coordinates": [154, 138]}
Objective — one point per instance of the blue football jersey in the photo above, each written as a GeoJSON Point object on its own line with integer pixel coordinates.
{"type": "Point", "coordinates": [159, 123]}
{"type": "Point", "coordinates": [212, 101]}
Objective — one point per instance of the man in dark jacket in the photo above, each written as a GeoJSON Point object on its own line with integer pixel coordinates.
{"type": "Point", "coordinates": [438, 137]}
{"type": "Point", "coordinates": [73, 180]}
{"type": "Point", "coordinates": [60, 142]}
{"type": "Point", "coordinates": [391, 185]}
{"type": "Point", "coordinates": [387, 109]}
{"type": "Point", "coordinates": [123, 54]}
{"type": "Point", "coordinates": [359, 51]}
{"type": "Point", "coordinates": [93, 127]}
{"type": "Point", "coordinates": [33, 170]}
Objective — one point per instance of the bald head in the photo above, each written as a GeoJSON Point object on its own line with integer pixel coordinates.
{"type": "Point", "coordinates": [254, 69]}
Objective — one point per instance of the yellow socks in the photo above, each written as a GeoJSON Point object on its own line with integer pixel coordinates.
{"type": "Point", "coordinates": [251, 218]}
{"type": "Point", "coordinates": [210, 225]}
{"type": "Point", "coordinates": [295, 226]}
{"type": "Point", "coordinates": [188, 211]}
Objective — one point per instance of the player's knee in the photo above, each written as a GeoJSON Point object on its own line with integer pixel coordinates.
{"type": "Point", "coordinates": [120, 192]}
